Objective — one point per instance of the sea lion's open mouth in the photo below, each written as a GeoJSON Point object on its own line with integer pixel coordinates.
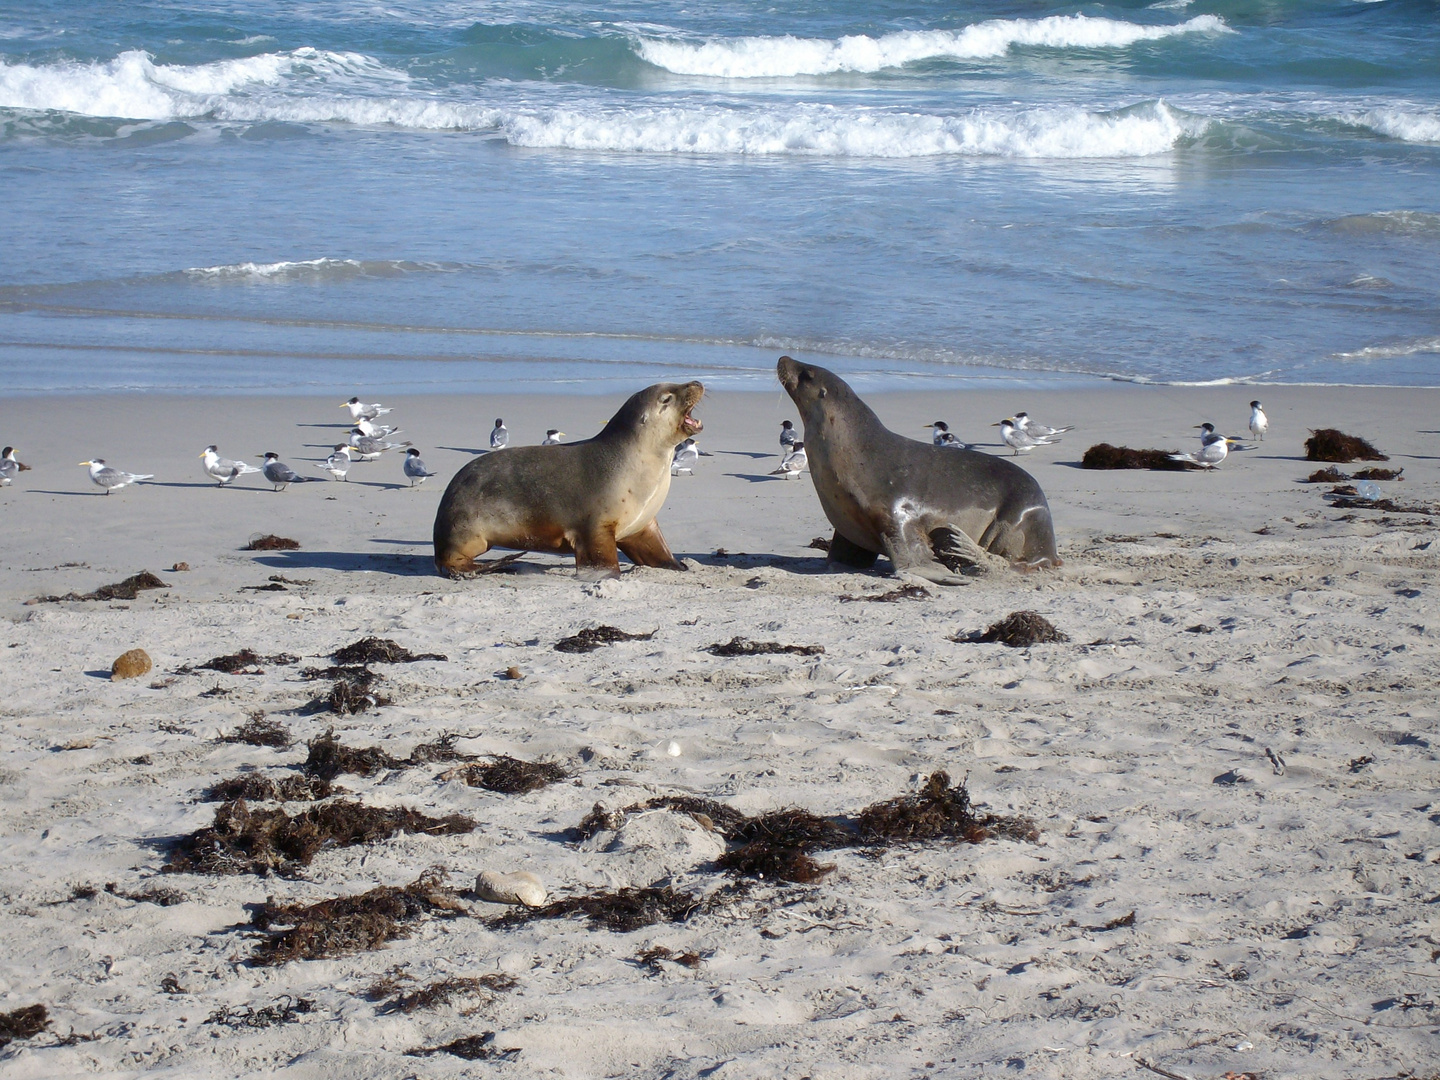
{"type": "Point", "coordinates": [690, 424]}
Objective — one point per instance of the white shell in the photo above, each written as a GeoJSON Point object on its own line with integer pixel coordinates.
{"type": "Point", "coordinates": [673, 749]}
{"type": "Point", "coordinates": [521, 887]}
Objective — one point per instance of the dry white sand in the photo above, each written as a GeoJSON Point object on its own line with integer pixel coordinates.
{"type": "Point", "coordinates": [1284, 924]}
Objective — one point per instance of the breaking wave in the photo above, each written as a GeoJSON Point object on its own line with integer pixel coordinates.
{"type": "Point", "coordinates": [135, 87]}
{"type": "Point", "coordinates": [1412, 125]}
{"type": "Point", "coordinates": [1139, 131]}
{"type": "Point", "coordinates": [783, 57]}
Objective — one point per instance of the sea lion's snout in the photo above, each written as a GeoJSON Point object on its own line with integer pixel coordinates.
{"type": "Point", "coordinates": [788, 372]}
{"type": "Point", "coordinates": [690, 394]}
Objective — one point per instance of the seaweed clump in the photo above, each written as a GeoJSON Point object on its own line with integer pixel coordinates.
{"type": "Point", "coordinates": [271, 542]}
{"type": "Point", "coordinates": [1330, 444]}
{"type": "Point", "coordinates": [158, 897]}
{"type": "Point", "coordinates": [329, 758]}
{"type": "Point", "coordinates": [1329, 475]}
{"type": "Point", "coordinates": [1380, 474]}
{"type": "Point", "coordinates": [509, 776]}
{"type": "Point", "coordinates": [1104, 456]}
{"type": "Point", "coordinates": [349, 694]}
{"type": "Point", "coordinates": [1018, 630]}
{"type": "Point", "coordinates": [285, 1011]}
{"type": "Point", "coordinates": [257, 787]}
{"type": "Point", "coordinates": [128, 589]}
{"type": "Point", "coordinates": [471, 1048]}
{"type": "Point", "coordinates": [245, 841]}
{"type": "Point", "coordinates": [623, 910]}
{"type": "Point", "coordinates": [739, 646]}
{"type": "Point", "coordinates": [260, 730]}
{"type": "Point", "coordinates": [1348, 500]}
{"type": "Point", "coordinates": [244, 662]}
{"type": "Point", "coordinates": [373, 650]}
{"type": "Point", "coordinates": [592, 638]}
{"type": "Point", "coordinates": [780, 845]}
{"type": "Point", "coordinates": [440, 992]}
{"type": "Point", "coordinates": [936, 811]}
{"type": "Point", "coordinates": [23, 1023]}
{"type": "Point", "coordinates": [348, 924]}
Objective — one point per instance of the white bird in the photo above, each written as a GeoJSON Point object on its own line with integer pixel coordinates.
{"type": "Point", "coordinates": [1037, 431]}
{"type": "Point", "coordinates": [338, 463]}
{"type": "Point", "coordinates": [102, 475]}
{"type": "Point", "coordinates": [415, 468]}
{"type": "Point", "coordinates": [360, 411]}
{"type": "Point", "coordinates": [365, 448]}
{"type": "Point", "coordinates": [940, 432]}
{"type": "Point", "coordinates": [1259, 422]}
{"type": "Point", "coordinates": [10, 467]}
{"type": "Point", "coordinates": [375, 431]}
{"type": "Point", "coordinates": [686, 455]}
{"type": "Point", "coordinates": [951, 441]}
{"type": "Point", "coordinates": [499, 435]}
{"type": "Point", "coordinates": [221, 469]}
{"type": "Point", "coordinates": [280, 474]}
{"type": "Point", "coordinates": [793, 463]}
{"type": "Point", "coordinates": [552, 437]}
{"type": "Point", "coordinates": [1213, 448]}
{"type": "Point", "coordinates": [788, 435]}
{"type": "Point", "coordinates": [1017, 439]}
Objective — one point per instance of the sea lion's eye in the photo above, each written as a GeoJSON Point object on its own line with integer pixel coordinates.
{"type": "Point", "coordinates": [666, 400]}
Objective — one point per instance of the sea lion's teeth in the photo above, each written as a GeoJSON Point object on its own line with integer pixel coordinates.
{"type": "Point", "coordinates": [521, 887]}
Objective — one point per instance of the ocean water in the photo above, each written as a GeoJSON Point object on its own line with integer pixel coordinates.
{"type": "Point", "coordinates": [342, 195]}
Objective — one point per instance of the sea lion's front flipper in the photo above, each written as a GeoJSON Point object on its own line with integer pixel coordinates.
{"type": "Point", "coordinates": [956, 550]}
{"type": "Point", "coordinates": [848, 553]}
{"type": "Point", "coordinates": [648, 548]}
{"type": "Point", "coordinates": [596, 555]}
{"type": "Point", "coordinates": [911, 551]}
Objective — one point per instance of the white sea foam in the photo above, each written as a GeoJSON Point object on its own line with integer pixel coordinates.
{"type": "Point", "coordinates": [828, 131]}
{"type": "Point", "coordinates": [783, 57]}
{"type": "Point", "coordinates": [1414, 347]}
{"type": "Point", "coordinates": [423, 114]}
{"type": "Point", "coordinates": [133, 86]}
{"type": "Point", "coordinates": [308, 270]}
{"type": "Point", "coordinates": [1411, 124]}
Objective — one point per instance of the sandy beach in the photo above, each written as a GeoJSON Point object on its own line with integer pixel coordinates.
{"type": "Point", "coordinates": [1231, 764]}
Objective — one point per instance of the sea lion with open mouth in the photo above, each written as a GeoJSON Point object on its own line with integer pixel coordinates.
{"type": "Point", "coordinates": [591, 499]}
{"type": "Point", "coordinates": [929, 509]}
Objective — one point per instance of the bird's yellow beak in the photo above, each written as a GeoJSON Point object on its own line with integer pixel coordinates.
{"type": "Point", "coordinates": [87, 463]}
{"type": "Point", "coordinates": [199, 455]}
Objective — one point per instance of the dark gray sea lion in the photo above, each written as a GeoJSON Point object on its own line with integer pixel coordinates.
{"type": "Point", "coordinates": [591, 499]}
{"type": "Point", "coordinates": [930, 509]}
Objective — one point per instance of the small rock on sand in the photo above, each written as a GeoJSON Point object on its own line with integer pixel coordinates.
{"type": "Point", "coordinates": [130, 665]}
{"type": "Point", "coordinates": [521, 887]}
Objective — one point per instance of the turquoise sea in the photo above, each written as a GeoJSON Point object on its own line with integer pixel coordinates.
{"type": "Point", "coordinates": [524, 195]}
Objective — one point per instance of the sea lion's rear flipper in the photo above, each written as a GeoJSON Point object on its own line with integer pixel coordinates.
{"type": "Point", "coordinates": [848, 553]}
{"type": "Point", "coordinates": [596, 555]}
{"type": "Point", "coordinates": [913, 553]}
{"type": "Point", "coordinates": [648, 548]}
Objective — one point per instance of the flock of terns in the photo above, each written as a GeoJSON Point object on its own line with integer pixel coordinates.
{"type": "Point", "coordinates": [369, 440]}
